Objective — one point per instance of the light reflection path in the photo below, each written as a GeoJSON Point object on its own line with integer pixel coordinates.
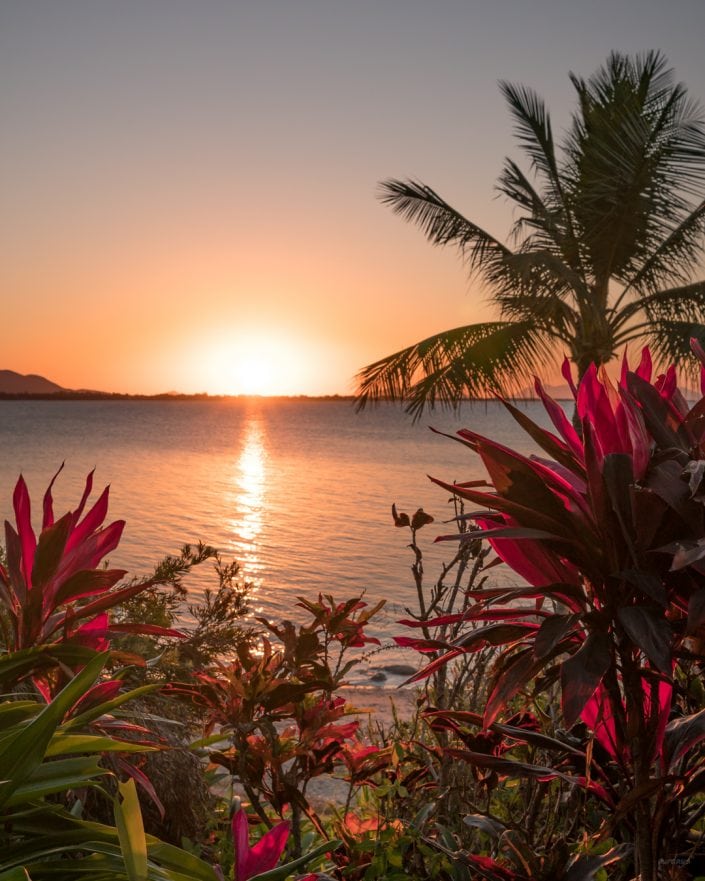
{"type": "Point", "coordinates": [248, 501]}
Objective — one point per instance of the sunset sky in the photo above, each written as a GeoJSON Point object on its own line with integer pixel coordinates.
{"type": "Point", "coordinates": [188, 186]}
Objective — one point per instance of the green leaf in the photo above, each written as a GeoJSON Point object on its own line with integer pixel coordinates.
{"type": "Point", "coordinates": [14, 712]}
{"type": "Point", "coordinates": [286, 869]}
{"type": "Point", "coordinates": [128, 819]}
{"type": "Point", "coordinates": [57, 776]}
{"type": "Point", "coordinates": [15, 665]}
{"type": "Point", "coordinates": [22, 753]}
{"type": "Point", "coordinates": [79, 744]}
{"type": "Point", "coordinates": [18, 874]}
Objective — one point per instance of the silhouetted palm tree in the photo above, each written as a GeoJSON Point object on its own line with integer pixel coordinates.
{"type": "Point", "coordinates": [604, 248]}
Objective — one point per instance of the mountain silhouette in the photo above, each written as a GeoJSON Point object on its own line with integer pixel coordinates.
{"type": "Point", "coordinates": [12, 383]}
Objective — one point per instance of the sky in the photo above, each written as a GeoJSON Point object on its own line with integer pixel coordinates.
{"type": "Point", "coordinates": [189, 187]}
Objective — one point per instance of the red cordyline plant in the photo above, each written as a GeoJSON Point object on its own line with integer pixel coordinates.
{"type": "Point", "coordinates": [54, 600]}
{"type": "Point", "coordinates": [607, 532]}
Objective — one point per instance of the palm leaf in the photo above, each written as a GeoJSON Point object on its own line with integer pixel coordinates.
{"type": "Point", "coordinates": [602, 229]}
{"type": "Point", "coordinates": [466, 362]}
{"type": "Point", "coordinates": [442, 224]}
{"type": "Point", "coordinates": [680, 304]}
{"type": "Point", "coordinates": [670, 342]}
{"type": "Point", "coordinates": [672, 259]}
{"type": "Point", "coordinates": [533, 129]}
{"type": "Point", "coordinates": [546, 283]}
{"type": "Point", "coordinates": [636, 150]}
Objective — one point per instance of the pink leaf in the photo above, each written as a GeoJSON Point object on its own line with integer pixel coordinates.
{"type": "Point", "coordinates": [84, 498]}
{"type": "Point", "coordinates": [567, 372]}
{"type": "Point", "coordinates": [597, 714]}
{"type": "Point", "coordinates": [28, 540]}
{"type": "Point", "coordinates": [91, 522]}
{"type": "Point", "coordinates": [594, 406]}
{"type": "Point", "coordinates": [94, 633]}
{"type": "Point", "coordinates": [48, 518]}
{"type": "Point", "coordinates": [561, 422]}
{"type": "Point", "coordinates": [645, 368]}
{"type": "Point", "coordinates": [529, 559]}
{"type": "Point", "coordinates": [264, 856]}
{"type": "Point", "coordinates": [97, 694]}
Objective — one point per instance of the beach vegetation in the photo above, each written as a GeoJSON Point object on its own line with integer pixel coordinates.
{"type": "Point", "coordinates": [600, 643]}
{"type": "Point", "coordinates": [558, 726]}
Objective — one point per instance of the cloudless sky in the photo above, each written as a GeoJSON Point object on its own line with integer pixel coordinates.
{"type": "Point", "coordinates": [188, 187]}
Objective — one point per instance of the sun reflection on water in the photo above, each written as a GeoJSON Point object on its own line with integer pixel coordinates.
{"type": "Point", "coordinates": [248, 503]}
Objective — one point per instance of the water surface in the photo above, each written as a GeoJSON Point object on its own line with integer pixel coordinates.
{"type": "Point", "coordinates": [297, 491]}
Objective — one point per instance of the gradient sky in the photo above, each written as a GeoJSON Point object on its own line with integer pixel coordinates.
{"type": "Point", "coordinates": [188, 186]}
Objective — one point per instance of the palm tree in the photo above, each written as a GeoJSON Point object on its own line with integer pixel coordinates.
{"type": "Point", "coordinates": [608, 233]}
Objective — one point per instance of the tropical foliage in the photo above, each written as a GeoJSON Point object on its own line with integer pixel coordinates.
{"type": "Point", "coordinates": [608, 229]}
{"type": "Point", "coordinates": [559, 730]}
{"type": "Point", "coordinates": [608, 535]}
{"type": "Point", "coordinates": [279, 723]}
{"type": "Point", "coordinates": [65, 736]}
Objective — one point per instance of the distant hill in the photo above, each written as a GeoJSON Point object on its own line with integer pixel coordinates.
{"type": "Point", "coordinates": [12, 383]}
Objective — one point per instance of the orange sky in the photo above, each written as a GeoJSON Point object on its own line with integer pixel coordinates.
{"type": "Point", "coordinates": [189, 189]}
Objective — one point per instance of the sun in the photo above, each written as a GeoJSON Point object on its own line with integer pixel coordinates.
{"type": "Point", "coordinates": [253, 374]}
{"type": "Point", "coordinates": [254, 364]}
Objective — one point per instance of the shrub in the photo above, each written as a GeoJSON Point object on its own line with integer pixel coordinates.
{"type": "Point", "coordinates": [275, 707]}
{"type": "Point", "coordinates": [608, 535]}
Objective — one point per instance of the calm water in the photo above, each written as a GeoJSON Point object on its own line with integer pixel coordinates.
{"type": "Point", "coordinates": [299, 492]}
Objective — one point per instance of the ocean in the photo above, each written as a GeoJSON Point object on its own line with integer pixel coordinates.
{"type": "Point", "coordinates": [298, 491]}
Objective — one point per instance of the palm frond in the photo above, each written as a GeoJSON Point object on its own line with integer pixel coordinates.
{"type": "Point", "coordinates": [684, 303]}
{"type": "Point", "coordinates": [542, 222]}
{"type": "Point", "coordinates": [441, 223]}
{"type": "Point", "coordinates": [673, 257]}
{"type": "Point", "coordinates": [670, 342]}
{"type": "Point", "coordinates": [635, 151]}
{"type": "Point", "coordinates": [605, 240]}
{"type": "Point", "coordinates": [467, 362]}
{"type": "Point", "coordinates": [540, 276]}
{"type": "Point", "coordinates": [533, 130]}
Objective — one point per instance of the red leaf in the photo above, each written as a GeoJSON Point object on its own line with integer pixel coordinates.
{"type": "Point", "coordinates": [91, 522]}
{"type": "Point", "coordinates": [23, 518]}
{"type": "Point", "coordinates": [582, 673]}
{"type": "Point", "coordinates": [48, 516]}
{"type": "Point", "coordinates": [151, 629]}
{"type": "Point", "coordinates": [49, 552]}
{"type": "Point", "coordinates": [114, 598]}
{"type": "Point", "coordinates": [552, 631]}
{"type": "Point", "coordinates": [518, 670]}
{"type": "Point", "coordinates": [88, 583]}
{"type": "Point", "coordinates": [649, 630]}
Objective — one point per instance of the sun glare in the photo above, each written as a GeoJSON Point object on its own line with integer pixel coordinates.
{"type": "Point", "coordinates": [253, 374]}
{"type": "Point", "coordinates": [261, 365]}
